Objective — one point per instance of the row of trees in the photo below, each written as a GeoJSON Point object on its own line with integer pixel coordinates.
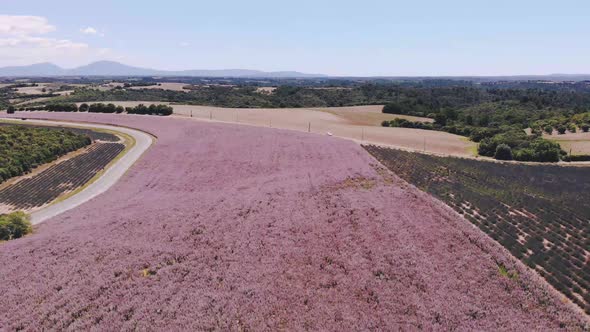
{"type": "Point", "coordinates": [403, 123]}
{"type": "Point", "coordinates": [572, 128]}
{"type": "Point", "coordinates": [539, 150]}
{"type": "Point", "coordinates": [513, 143]}
{"type": "Point", "coordinates": [24, 148]}
{"type": "Point", "coordinates": [152, 109]}
{"type": "Point", "coordinates": [101, 108]}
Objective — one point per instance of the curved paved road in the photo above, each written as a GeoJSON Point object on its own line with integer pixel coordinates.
{"type": "Point", "coordinates": [142, 142]}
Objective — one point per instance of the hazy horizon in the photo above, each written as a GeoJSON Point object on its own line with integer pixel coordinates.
{"type": "Point", "coordinates": [375, 38]}
{"type": "Point", "coordinates": [581, 74]}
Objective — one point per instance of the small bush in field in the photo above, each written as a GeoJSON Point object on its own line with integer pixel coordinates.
{"type": "Point", "coordinates": [14, 226]}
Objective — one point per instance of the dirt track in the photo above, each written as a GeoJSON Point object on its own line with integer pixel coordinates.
{"type": "Point", "coordinates": [231, 227]}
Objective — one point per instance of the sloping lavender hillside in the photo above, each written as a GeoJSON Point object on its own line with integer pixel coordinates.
{"type": "Point", "coordinates": [242, 228]}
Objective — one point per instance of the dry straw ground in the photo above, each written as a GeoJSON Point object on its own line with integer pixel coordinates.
{"type": "Point", "coordinates": [361, 123]}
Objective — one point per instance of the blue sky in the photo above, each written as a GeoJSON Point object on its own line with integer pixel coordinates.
{"type": "Point", "coordinates": [453, 37]}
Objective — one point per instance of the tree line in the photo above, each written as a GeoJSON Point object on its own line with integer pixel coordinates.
{"type": "Point", "coordinates": [152, 109]}
{"type": "Point", "coordinates": [499, 124]}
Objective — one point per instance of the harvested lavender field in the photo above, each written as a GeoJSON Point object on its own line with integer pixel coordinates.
{"type": "Point", "coordinates": [64, 177]}
{"type": "Point", "coordinates": [540, 213]}
{"type": "Point", "coordinates": [240, 228]}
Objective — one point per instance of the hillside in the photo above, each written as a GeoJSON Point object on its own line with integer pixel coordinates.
{"type": "Point", "coordinates": [238, 228]}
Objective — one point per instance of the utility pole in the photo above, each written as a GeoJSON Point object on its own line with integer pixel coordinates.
{"type": "Point", "coordinates": [191, 113]}
{"type": "Point", "coordinates": [210, 115]}
{"type": "Point", "coordinates": [424, 144]}
{"type": "Point", "coordinates": [362, 134]}
{"type": "Point", "coordinates": [309, 127]}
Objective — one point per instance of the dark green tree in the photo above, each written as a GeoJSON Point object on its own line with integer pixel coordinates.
{"type": "Point", "coordinates": [503, 152]}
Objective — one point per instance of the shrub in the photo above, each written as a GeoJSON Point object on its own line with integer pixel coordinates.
{"type": "Point", "coordinates": [385, 123]}
{"type": "Point", "coordinates": [478, 134]}
{"type": "Point", "coordinates": [548, 130]}
{"type": "Point", "coordinates": [110, 108]}
{"type": "Point", "coordinates": [440, 119]}
{"type": "Point", "coordinates": [503, 152]}
{"type": "Point", "coordinates": [585, 127]}
{"type": "Point", "coordinates": [11, 109]}
{"type": "Point", "coordinates": [571, 128]}
{"type": "Point", "coordinates": [536, 132]}
{"type": "Point", "coordinates": [581, 157]}
{"type": "Point", "coordinates": [83, 108]}
{"type": "Point", "coordinates": [524, 155]}
{"type": "Point", "coordinates": [486, 147]}
{"type": "Point", "coordinates": [14, 226]}
{"type": "Point", "coordinates": [393, 108]}
{"type": "Point", "coordinates": [513, 138]}
{"type": "Point", "coordinates": [561, 130]}
{"type": "Point", "coordinates": [546, 151]}
{"type": "Point", "coordinates": [403, 123]}
{"type": "Point", "coordinates": [102, 108]}
{"type": "Point", "coordinates": [62, 107]}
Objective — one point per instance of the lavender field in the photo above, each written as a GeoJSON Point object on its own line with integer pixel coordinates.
{"type": "Point", "coordinates": [227, 227]}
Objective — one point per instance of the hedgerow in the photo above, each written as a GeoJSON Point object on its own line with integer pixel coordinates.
{"type": "Point", "coordinates": [152, 109]}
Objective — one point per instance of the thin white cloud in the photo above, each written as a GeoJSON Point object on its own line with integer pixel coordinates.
{"type": "Point", "coordinates": [41, 42]}
{"type": "Point", "coordinates": [91, 31]}
{"type": "Point", "coordinates": [185, 44]}
{"type": "Point", "coordinates": [23, 41]}
{"type": "Point", "coordinates": [24, 25]}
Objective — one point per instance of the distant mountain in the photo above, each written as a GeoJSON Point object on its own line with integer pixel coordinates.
{"type": "Point", "coordinates": [39, 69]}
{"type": "Point", "coordinates": [111, 68]}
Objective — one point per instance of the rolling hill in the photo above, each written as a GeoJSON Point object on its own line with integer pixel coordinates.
{"type": "Point", "coordinates": [112, 68]}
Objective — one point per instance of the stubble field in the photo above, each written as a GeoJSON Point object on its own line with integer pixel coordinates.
{"type": "Point", "coordinates": [574, 143]}
{"type": "Point", "coordinates": [360, 123]}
